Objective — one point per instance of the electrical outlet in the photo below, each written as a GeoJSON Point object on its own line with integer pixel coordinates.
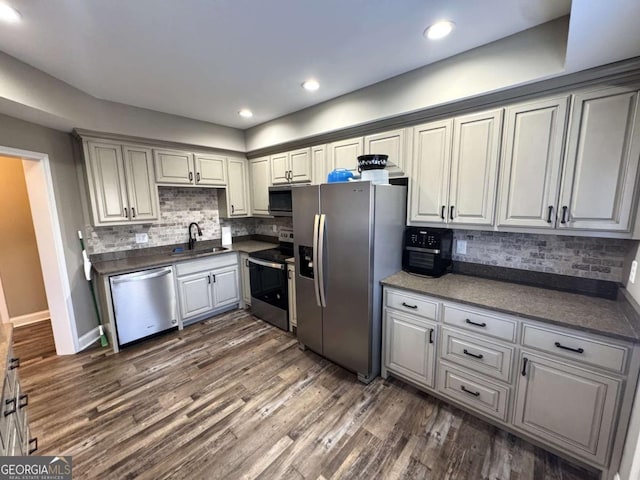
{"type": "Point", "coordinates": [632, 273]}
{"type": "Point", "coordinates": [142, 238]}
{"type": "Point", "coordinates": [461, 247]}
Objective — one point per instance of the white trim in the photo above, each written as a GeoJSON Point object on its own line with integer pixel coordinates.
{"type": "Point", "coordinates": [30, 318]}
{"type": "Point", "coordinates": [617, 477]}
{"type": "Point", "coordinates": [37, 172]}
{"type": "Point", "coordinates": [89, 338]}
{"type": "Point", "coordinates": [4, 311]}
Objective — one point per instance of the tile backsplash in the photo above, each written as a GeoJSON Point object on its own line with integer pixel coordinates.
{"type": "Point", "coordinates": [599, 258]}
{"type": "Point", "coordinates": [178, 208]}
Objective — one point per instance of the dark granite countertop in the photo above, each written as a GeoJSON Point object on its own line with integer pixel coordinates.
{"type": "Point", "coordinates": [597, 315]}
{"type": "Point", "coordinates": [139, 262]}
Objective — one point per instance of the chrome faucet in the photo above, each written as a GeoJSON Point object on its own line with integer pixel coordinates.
{"type": "Point", "coordinates": [192, 237]}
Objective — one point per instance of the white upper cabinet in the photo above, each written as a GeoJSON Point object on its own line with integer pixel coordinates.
{"type": "Point", "coordinates": [291, 167]}
{"type": "Point", "coordinates": [235, 200]}
{"type": "Point", "coordinates": [531, 163]}
{"type": "Point", "coordinates": [210, 170]}
{"type": "Point", "coordinates": [319, 164]}
{"type": "Point", "coordinates": [455, 170]}
{"type": "Point", "coordinates": [396, 144]}
{"type": "Point", "coordinates": [601, 165]}
{"type": "Point", "coordinates": [121, 187]}
{"type": "Point", "coordinates": [345, 153]}
{"type": "Point", "coordinates": [259, 175]}
{"type": "Point", "coordinates": [174, 167]}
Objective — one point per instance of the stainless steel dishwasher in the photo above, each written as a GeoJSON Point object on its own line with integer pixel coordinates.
{"type": "Point", "coordinates": [144, 303]}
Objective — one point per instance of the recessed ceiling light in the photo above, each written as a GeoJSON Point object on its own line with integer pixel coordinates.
{"type": "Point", "coordinates": [439, 30]}
{"type": "Point", "coordinates": [311, 85]}
{"type": "Point", "coordinates": [245, 113]}
{"type": "Point", "coordinates": [9, 14]}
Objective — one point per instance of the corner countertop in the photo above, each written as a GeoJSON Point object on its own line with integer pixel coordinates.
{"type": "Point", "coordinates": [6, 337]}
{"type": "Point", "coordinates": [140, 262]}
{"type": "Point", "coordinates": [597, 315]}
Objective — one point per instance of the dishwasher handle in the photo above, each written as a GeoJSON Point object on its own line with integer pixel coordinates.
{"type": "Point", "coordinates": [143, 275]}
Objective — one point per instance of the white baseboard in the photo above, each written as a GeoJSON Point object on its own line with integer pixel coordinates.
{"type": "Point", "coordinates": [89, 339]}
{"type": "Point", "coordinates": [30, 318]}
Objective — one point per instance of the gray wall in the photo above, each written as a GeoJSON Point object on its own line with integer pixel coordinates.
{"type": "Point", "coordinates": [27, 136]}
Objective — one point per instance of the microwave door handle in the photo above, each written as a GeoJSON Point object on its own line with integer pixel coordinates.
{"type": "Point", "coordinates": [314, 258]}
{"type": "Point", "coordinates": [320, 269]}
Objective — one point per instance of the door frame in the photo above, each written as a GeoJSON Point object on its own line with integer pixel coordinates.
{"type": "Point", "coordinates": [37, 172]}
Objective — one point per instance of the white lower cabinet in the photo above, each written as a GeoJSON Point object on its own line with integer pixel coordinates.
{"type": "Point", "coordinates": [207, 286]}
{"type": "Point", "coordinates": [569, 390]}
{"type": "Point", "coordinates": [291, 283]}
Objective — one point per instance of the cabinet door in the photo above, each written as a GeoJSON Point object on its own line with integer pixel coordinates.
{"type": "Point", "coordinates": [210, 170]}
{"type": "Point", "coordinates": [237, 188]}
{"type": "Point", "coordinates": [173, 167]}
{"type": "Point", "coordinates": [474, 168]}
{"type": "Point", "coordinates": [246, 278]}
{"type": "Point", "coordinates": [566, 406]}
{"type": "Point", "coordinates": [107, 186]}
{"type": "Point", "coordinates": [260, 174]}
{"type": "Point", "coordinates": [429, 186]}
{"type": "Point", "coordinates": [602, 161]}
{"type": "Point", "coordinates": [300, 165]}
{"type": "Point", "coordinates": [393, 144]}
{"type": "Point", "coordinates": [291, 281]}
{"type": "Point", "coordinates": [344, 154]}
{"type": "Point", "coordinates": [409, 347]}
{"type": "Point", "coordinates": [280, 168]}
{"type": "Point", "coordinates": [194, 292]}
{"type": "Point", "coordinates": [319, 164]}
{"type": "Point", "coordinates": [225, 287]}
{"type": "Point", "coordinates": [141, 187]}
{"type": "Point", "coordinates": [530, 174]}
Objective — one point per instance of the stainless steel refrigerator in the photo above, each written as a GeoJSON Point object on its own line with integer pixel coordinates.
{"type": "Point", "coordinates": [347, 237]}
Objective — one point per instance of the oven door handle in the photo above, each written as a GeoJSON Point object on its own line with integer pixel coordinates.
{"type": "Point", "coordinates": [264, 263]}
{"type": "Point", "coordinates": [316, 286]}
{"type": "Point", "coordinates": [320, 267]}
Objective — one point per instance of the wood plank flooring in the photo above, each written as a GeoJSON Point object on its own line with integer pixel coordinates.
{"type": "Point", "coordinates": [233, 397]}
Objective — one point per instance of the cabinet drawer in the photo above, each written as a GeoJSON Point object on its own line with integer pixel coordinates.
{"type": "Point", "coordinates": [474, 391]}
{"type": "Point", "coordinates": [576, 347]}
{"type": "Point", "coordinates": [480, 355]}
{"type": "Point", "coordinates": [208, 263]}
{"type": "Point", "coordinates": [502, 328]}
{"type": "Point", "coordinates": [409, 303]}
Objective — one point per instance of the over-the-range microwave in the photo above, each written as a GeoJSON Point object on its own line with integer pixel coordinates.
{"type": "Point", "coordinates": [280, 204]}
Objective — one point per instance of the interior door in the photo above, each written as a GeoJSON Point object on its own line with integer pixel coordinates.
{"type": "Point", "coordinates": [346, 261]}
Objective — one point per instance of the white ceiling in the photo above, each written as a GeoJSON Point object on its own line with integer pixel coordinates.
{"type": "Point", "coordinates": [206, 59]}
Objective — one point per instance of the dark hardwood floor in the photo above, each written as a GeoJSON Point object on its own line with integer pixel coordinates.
{"type": "Point", "coordinates": [233, 397]}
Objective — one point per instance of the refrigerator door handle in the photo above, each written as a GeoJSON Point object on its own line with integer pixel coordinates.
{"type": "Point", "coordinates": [320, 266]}
{"type": "Point", "coordinates": [316, 222]}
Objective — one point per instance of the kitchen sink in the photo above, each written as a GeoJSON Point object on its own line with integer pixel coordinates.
{"type": "Point", "coordinates": [198, 251]}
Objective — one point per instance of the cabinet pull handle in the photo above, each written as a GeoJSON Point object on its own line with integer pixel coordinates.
{"type": "Point", "coordinates": [576, 350]}
{"type": "Point", "coordinates": [33, 440]}
{"type": "Point", "coordinates": [474, 355]}
{"type": "Point", "coordinates": [431, 335]}
{"type": "Point", "coordinates": [471, 322]}
{"type": "Point", "coordinates": [214, 278]}
{"type": "Point", "coordinates": [525, 360]}
{"type": "Point", "coordinates": [442, 211]}
{"type": "Point", "coordinates": [9, 402]}
{"type": "Point", "coordinates": [451, 212]}
{"type": "Point", "coordinates": [191, 176]}
{"type": "Point", "coordinates": [15, 363]}
{"type": "Point", "coordinates": [413, 307]}
{"type": "Point", "coordinates": [233, 209]}
{"type": "Point", "coordinates": [564, 214]}
{"type": "Point", "coordinates": [465, 389]}
{"type": "Point", "coordinates": [133, 212]}
{"type": "Point", "coordinates": [246, 262]}
{"type": "Point", "coordinates": [126, 212]}
{"type": "Point", "coordinates": [21, 403]}
{"type": "Point", "coordinates": [289, 274]}
{"type": "Point", "coordinates": [209, 279]}
{"type": "Point", "coordinates": [198, 177]}
{"type": "Point", "coordinates": [549, 214]}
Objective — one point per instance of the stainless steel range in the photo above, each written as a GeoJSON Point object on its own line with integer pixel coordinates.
{"type": "Point", "coordinates": [269, 287]}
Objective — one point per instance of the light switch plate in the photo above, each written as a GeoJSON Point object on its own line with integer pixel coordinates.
{"type": "Point", "coordinates": [461, 247]}
{"type": "Point", "coordinates": [142, 238]}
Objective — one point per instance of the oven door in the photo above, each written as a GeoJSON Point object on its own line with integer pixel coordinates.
{"type": "Point", "coordinates": [269, 292]}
